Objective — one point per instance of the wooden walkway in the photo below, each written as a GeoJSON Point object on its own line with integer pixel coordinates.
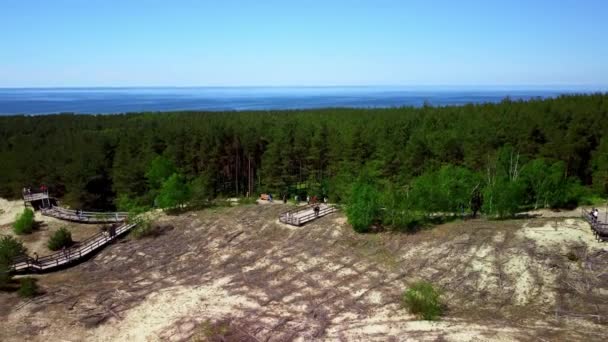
{"type": "Point", "coordinates": [600, 228]}
{"type": "Point", "coordinates": [80, 216]}
{"type": "Point", "coordinates": [303, 215]}
{"type": "Point", "coordinates": [71, 255]}
{"type": "Point", "coordinates": [36, 196]}
{"type": "Point", "coordinates": [84, 216]}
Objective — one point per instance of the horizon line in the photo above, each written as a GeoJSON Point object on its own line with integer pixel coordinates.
{"type": "Point", "coordinates": [506, 86]}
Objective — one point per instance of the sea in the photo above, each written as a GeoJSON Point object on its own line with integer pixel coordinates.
{"type": "Point", "coordinates": [112, 100]}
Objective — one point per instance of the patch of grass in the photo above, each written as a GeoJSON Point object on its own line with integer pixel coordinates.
{"type": "Point", "coordinates": [24, 222]}
{"type": "Point", "coordinates": [61, 238]}
{"type": "Point", "coordinates": [218, 331]}
{"type": "Point", "coordinates": [572, 256]}
{"type": "Point", "coordinates": [146, 228]}
{"type": "Point", "coordinates": [249, 200]}
{"type": "Point", "coordinates": [28, 288]}
{"type": "Point", "coordinates": [423, 299]}
{"type": "Point", "coordinates": [594, 200]}
{"type": "Point", "coordinates": [10, 248]}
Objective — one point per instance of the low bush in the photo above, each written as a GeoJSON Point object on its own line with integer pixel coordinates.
{"type": "Point", "coordinates": [59, 239]}
{"type": "Point", "coordinates": [28, 288]}
{"type": "Point", "coordinates": [24, 223]}
{"type": "Point", "coordinates": [10, 248]}
{"type": "Point", "coordinates": [5, 276]}
{"type": "Point", "coordinates": [146, 228]}
{"type": "Point", "coordinates": [572, 256]}
{"type": "Point", "coordinates": [422, 299]}
{"type": "Point", "coordinates": [248, 200]}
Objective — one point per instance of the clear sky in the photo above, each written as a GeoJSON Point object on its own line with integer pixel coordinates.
{"type": "Point", "coordinates": [317, 42]}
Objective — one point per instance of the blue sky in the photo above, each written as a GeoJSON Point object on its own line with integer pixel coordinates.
{"type": "Point", "coordinates": [275, 43]}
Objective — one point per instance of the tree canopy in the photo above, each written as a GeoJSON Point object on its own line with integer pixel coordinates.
{"type": "Point", "coordinates": [532, 153]}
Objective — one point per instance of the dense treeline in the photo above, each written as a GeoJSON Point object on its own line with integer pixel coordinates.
{"type": "Point", "coordinates": [438, 158]}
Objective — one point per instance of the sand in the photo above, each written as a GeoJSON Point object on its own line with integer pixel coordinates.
{"type": "Point", "coordinates": [9, 210]}
{"type": "Point", "coordinates": [501, 281]}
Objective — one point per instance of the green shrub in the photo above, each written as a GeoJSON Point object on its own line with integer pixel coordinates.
{"type": "Point", "coordinates": [59, 239]}
{"type": "Point", "coordinates": [251, 200]}
{"type": "Point", "coordinates": [28, 288]}
{"type": "Point", "coordinates": [10, 248]}
{"type": "Point", "coordinates": [145, 228]}
{"type": "Point", "coordinates": [24, 223]}
{"type": "Point", "coordinates": [422, 299]}
{"type": "Point", "coordinates": [5, 276]}
{"type": "Point", "coordinates": [572, 256]}
{"type": "Point", "coordinates": [363, 206]}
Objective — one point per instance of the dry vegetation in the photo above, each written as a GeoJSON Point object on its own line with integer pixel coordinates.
{"type": "Point", "coordinates": [237, 274]}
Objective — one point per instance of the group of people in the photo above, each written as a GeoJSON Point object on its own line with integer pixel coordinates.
{"type": "Point", "coordinates": [314, 199]}
{"type": "Point", "coordinates": [28, 191]}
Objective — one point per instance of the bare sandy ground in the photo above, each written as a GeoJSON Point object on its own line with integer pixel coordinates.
{"type": "Point", "coordinates": [236, 274]}
{"type": "Point", "coordinates": [8, 211]}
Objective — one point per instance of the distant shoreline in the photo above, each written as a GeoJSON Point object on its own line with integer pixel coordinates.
{"type": "Point", "coordinates": [108, 101]}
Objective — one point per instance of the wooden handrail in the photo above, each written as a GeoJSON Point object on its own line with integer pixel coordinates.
{"type": "Point", "coordinates": [85, 247]}
{"type": "Point", "coordinates": [290, 218]}
{"type": "Point", "coordinates": [84, 216]}
{"type": "Point", "coordinates": [600, 229]}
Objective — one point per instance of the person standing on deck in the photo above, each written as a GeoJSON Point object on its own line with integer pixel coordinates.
{"type": "Point", "coordinates": [317, 210]}
{"type": "Point", "coordinates": [595, 214]}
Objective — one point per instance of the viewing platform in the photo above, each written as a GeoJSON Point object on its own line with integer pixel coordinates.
{"type": "Point", "coordinates": [71, 255]}
{"type": "Point", "coordinates": [39, 196]}
{"type": "Point", "coordinates": [599, 226]}
{"type": "Point", "coordinates": [302, 215]}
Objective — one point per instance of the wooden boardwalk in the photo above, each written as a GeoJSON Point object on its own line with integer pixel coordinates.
{"type": "Point", "coordinates": [80, 216]}
{"type": "Point", "coordinates": [71, 255]}
{"type": "Point", "coordinates": [39, 196]}
{"type": "Point", "coordinates": [303, 215]}
{"type": "Point", "coordinates": [599, 227]}
{"type": "Point", "coordinates": [84, 216]}
{"type": "Point", "coordinates": [80, 250]}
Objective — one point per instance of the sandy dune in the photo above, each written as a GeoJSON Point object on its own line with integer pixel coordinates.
{"type": "Point", "coordinates": [236, 273]}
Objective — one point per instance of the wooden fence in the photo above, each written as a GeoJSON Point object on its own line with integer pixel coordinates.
{"type": "Point", "coordinates": [600, 229]}
{"type": "Point", "coordinates": [302, 215]}
{"type": "Point", "coordinates": [84, 216]}
{"type": "Point", "coordinates": [82, 249]}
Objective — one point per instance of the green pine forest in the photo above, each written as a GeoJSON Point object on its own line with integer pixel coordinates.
{"type": "Point", "coordinates": [391, 166]}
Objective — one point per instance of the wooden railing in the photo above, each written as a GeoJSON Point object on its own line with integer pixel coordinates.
{"type": "Point", "coordinates": [35, 196]}
{"type": "Point", "coordinates": [291, 217]}
{"type": "Point", "coordinates": [600, 230]}
{"type": "Point", "coordinates": [84, 216]}
{"type": "Point", "coordinates": [69, 255]}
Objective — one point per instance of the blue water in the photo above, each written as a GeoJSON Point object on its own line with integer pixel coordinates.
{"type": "Point", "coordinates": [121, 100]}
